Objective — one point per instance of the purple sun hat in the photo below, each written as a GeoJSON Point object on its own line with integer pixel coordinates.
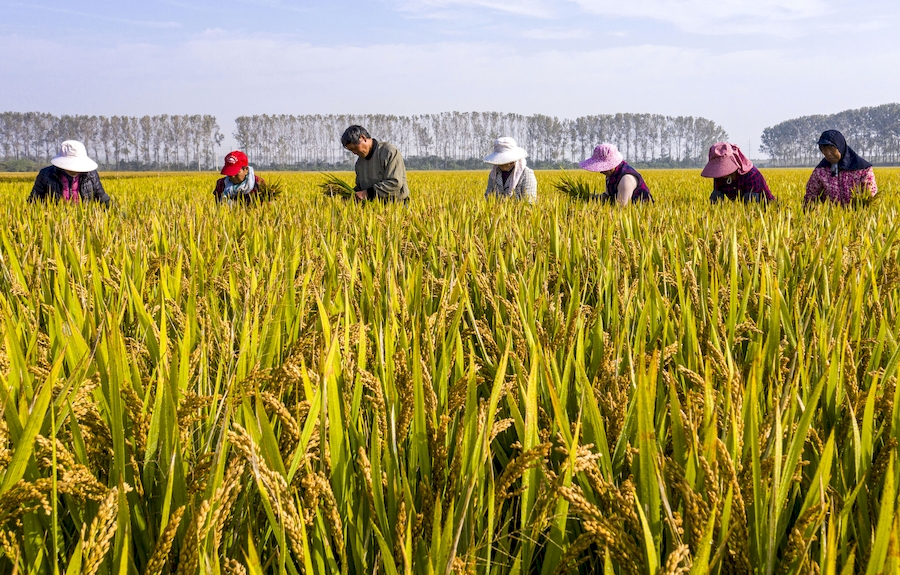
{"type": "Point", "coordinates": [605, 157]}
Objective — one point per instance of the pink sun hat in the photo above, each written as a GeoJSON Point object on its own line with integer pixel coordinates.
{"type": "Point", "coordinates": [724, 160]}
{"type": "Point", "coordinates": [605, 157]}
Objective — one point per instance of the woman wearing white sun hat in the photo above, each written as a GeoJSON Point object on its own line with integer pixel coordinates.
{"type": "Point", "coordinates": [72, 178]}
{"type": "Point", "coordinates": [510, 177]}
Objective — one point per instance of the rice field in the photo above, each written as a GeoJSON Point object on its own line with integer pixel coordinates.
{"type": "Point", "coordinates": [457, 386]}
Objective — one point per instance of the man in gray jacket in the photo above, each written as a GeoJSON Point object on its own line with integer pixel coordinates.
{"type": "Point", "coordinates": [380, 171]}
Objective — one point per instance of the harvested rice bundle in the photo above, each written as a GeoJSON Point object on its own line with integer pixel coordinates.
{"type": "Point", "coordinates": [335, 186]}
{"type": "Point", "coordinates": [576, 188]}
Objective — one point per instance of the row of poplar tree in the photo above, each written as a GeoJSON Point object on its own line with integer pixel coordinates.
{"type": "Point", "coordinates": [445, 140]}
{"type": "Point", "coordinates": [461, 139]}
{"type": "Point", "coordinates": [165, 142]}
{"type": "Point", "coordinates": [874, 133]}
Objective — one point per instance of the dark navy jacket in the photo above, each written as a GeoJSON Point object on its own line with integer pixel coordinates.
{"type": "Point", "coordinates": [48, 186]}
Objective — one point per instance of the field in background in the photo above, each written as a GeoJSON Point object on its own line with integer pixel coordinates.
{"type": "Point", "coordinates": [456, 386]}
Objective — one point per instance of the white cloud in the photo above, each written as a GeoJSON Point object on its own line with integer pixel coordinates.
{"type": "Point", "coordinates": [768, 18]}
{"type": "Point", "coordinates": [783, 18]}
{"type": "Point", "coordinates": [554, 33]}
{"type": "Point", "coordinates": [153, 24]}
{"type": "Point", "coordinates": [532, 8]}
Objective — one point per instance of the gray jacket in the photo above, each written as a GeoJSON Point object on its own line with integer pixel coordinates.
{"type": "Point", "coordinates": [382, 173]}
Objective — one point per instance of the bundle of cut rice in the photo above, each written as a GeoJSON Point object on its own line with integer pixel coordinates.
{"type": "Point", "coordinates": [577, 188]}
{"type": "Point", "coordinates": [335, 186]}
{"type": "Point", "coordinates": [271, 189]}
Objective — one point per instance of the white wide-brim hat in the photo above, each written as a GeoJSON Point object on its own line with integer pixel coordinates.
{"type": "Point", "coordinates": [505, 151]}
{"type": "Point", "coordinates": [73, 157]}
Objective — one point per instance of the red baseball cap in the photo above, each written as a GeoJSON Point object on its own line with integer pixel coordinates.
{"type": "Point", "coordinates": [234, 161]}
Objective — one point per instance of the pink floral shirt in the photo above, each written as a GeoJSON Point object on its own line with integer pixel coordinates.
{"type": "Point", "coordinates": [824, 185]}
{"type": "Point", "coordinates": [70, 192]}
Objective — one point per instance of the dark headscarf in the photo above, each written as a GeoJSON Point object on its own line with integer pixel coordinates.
{"type": "Point", "coordinates": [850, 161]}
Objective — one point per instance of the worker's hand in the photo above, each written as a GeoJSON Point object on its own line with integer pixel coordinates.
{"type": "Point", "coordinates": [362, 195]}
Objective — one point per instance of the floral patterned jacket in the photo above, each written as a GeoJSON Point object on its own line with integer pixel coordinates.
{"type": "Point", "coordinates": [824, 185]}
{"type": "Point", "coordinates": [526, 189]}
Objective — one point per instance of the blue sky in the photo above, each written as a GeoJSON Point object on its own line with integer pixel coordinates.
{"type": "Point", "coordinates": [746, 65]}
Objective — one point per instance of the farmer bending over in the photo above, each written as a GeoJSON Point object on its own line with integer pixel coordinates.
{"type": "Point", "coordinates": [72, 178]}
{"type": "Point", "coordinates": [734, 176]}
{"type": "Point", "coordinates": [510, 177]}
{"type": "Point", "coordinates": [380, 171]}
{"type": "Point", "coordinates": [240, 184]}
{"type": "Point", "coordinates": [624, 185]}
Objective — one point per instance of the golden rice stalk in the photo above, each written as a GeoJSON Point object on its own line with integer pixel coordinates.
{"type": "Point", "coordinates": [453, 480]}
{"type": "Point", "coordinates": [620, 544]}
{"type": "Point", "coordinates": [10, 545]}
{"type": "Point", "coordinates": [366, 467]}
{"type": "Point", "coordinates": [189, 558]}
{"type": "Point", "coordinates": [463, 565]}
{"type": "Point", "coordinates": [376, 397]}
{"type": "Point", "coordinates": [739, 542]}
{"type": "Point", "coordinates": [5, 451]}
{"type": "Point", "coordinates": [198, 477]}
{"type": "Point", "coordinates": [232, 567]}
{"type": "Point", "coordinates": [696, 510]}
{"type": "Point", "coordinates": [400, 535]}
{"type": "Point", "coordinates": [101, 532]}
{"type": "Point", "coordinates": [335, 186]}
{"type": "Point", "coordinates": [429, 396]}
{"type": "Point", "coordinates": [516, 468]}
{"type": "Point", "coordinates": [798, 544]}
{"type": "Point", "coordinates": [24, 497]}
{"type": "Point", "coordinates": [500, 426]}
{"type": "Point", "coordinates": [226, 495]}
{"type": "Point", "coordinates": [318, 489]}
{"type": "Point", "coordinates": [680, 555]}
{"type": "Point", "coordinates": [74, 479]}
{"type": "Point", "coordinates": [584, 457]}
{"type": "Point", "coordinates": [4, 359]}
{"type": "Point", "coordinates": [94, 429]}
{"type": "Point", "coordinates": [276, 488]}
{"type": "Point", "coordinates": [570, 560]}
{"type": "Point", "coordinates": [575, 188]}
{"type": "Point", "coordinates": [188, 406]}
{"type": "Point", "coordinates": [881, 459]}
{"type": "Point", "coordinates": [456, 398]}
{"type": "Point", "coordinates": [163, 546]}
{"type": "Point", "coordinates": [580, 506]}
{"type": "Point", "coordinates": [438, 446]}
{"type": "Point", "coordinates": [290, 434]}
{"type": "Point", "coordinates": [711, 483]}
{"type": "Point", "coordinates": [134, 407]}
{"type": "Point", "coordinates": [404, 382]}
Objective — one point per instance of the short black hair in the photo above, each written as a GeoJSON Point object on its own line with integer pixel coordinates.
{"type": "Point", "coordinates": [352, 134]}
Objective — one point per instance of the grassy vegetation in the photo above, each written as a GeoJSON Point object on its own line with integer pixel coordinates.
{"type": "Point", "coordinates": [456, 386]}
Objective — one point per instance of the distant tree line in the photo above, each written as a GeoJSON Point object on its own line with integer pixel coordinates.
{"type": "Point", "coordinates": [873, 132]}
{"type": "Point", "coordinates": [461, 139]}
{"type": "Point", "coordinates": [163, 142]}
{"type": "Point", "coordinates": [430, 141]}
